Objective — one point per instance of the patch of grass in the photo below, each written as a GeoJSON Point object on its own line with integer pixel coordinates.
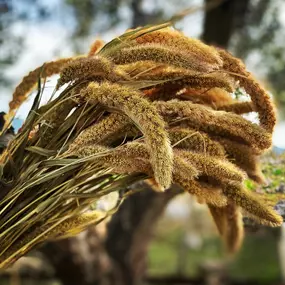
{"type": "Point", "coordinates": [257, 260]}
{"type": "Point", "coordinates": [170, 255]}
{"type": "Point", "coordinates": [273, 168]}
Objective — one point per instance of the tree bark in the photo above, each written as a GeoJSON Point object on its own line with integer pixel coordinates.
{"type": "Point", "coordinates": [141, 18]}
{"type": "Point", "coordinates": [221, 22]}
{"type": "Point", "coordinates": [131, 230]}
{"type": "Point", "coordinates": [81, 259]}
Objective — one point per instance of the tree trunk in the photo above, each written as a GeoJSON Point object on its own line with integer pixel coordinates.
{"type": "Point", "coordinates": [221, 22]}
{"type": "Point", "coordinates": [141, 18]}
{"type": "Point", "coordinates": [81, 259]}
{"type": "Point", "coordinates": [131, 230]}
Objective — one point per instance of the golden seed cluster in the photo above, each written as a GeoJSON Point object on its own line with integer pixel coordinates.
{"type": "Point", "coordinates": [169, 113]}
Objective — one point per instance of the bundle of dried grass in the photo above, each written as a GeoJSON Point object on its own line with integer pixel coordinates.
{"type": "Point", "coordinates": [149, 104]}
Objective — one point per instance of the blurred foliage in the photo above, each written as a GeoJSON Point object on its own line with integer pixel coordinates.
{"type": "Point", "coordinates": [10, 46]}
{"type": "Point", "coordinates": [260, 265]}
{"type": "Point", "coordinates": [86, 11]}
{"type": "Point", "coordinates": [262, 33]}
{"type": "Point", "coordinates": [263, 36]}
{"type": "Point", "coordinates": [85, 16]}
{"type": "Point", "coordinates": [273, 168]}
{"type": "Point", "coordinates": [164, 257]}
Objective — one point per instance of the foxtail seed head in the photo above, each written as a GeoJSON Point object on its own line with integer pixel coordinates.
{"type": "Point", "coordinates": [145, 116]}
{"type": "Point", "coordinates": [261, 100]}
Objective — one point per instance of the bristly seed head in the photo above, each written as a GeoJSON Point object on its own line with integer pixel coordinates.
{"type": "Point", "coordinates": [151, 104]}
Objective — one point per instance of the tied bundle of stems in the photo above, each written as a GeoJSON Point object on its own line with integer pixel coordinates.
{"type": "Point", "coordinates": [150, 105]}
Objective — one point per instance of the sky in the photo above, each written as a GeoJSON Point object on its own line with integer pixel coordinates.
{"type": "Point", "coordinates": [52, 43]}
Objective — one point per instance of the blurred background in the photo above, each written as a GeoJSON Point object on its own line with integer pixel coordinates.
{"type": "Point", "coordinates": [153, 238]}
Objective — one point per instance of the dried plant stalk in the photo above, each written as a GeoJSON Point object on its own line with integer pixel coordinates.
{"type": "Point", "coordinates": [101, 131]}
{"type": "Point", "coordinates": [214, 97]}
{"type": "Point", "coordinates": [150, 105]}
{"type": "Point", "coordinates": [29, 81]}
{"type": "Point", "coordinates": [145, 116]}
{"type": "Point", "coordinates": [175, 39]}
{"type": "Point", "coordinates": [228, 220]}
{"type": "Point", "coordinates": [95, 47]}
{"type": "Point", "coordinates": [260, 99]}
{"type": "Point", "coordinates": [219, 169]}
{"type": "Point", "coordinates": [132, 157]}
{"type": "Point", "coordinates": [238, 108]}
{"type": "Point", "coordinates": [87, 67]}
{"type": "Point", "coordinates": [195, 141]}
{"type": "Point", "coordinates": [216, 122]}
{"type": "Point", "coordinates": [160, 54]}
{"type": "Point", "coordinates": [245, 158]}
{"type": "Point", "coordinates": [242, 198]}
